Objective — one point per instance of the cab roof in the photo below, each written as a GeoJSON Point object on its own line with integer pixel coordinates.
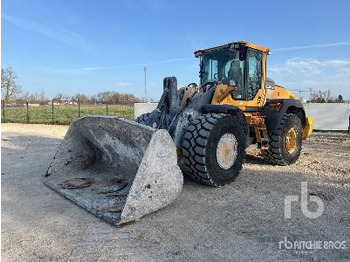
{"type": "Point", "coordinates": [226, 46]}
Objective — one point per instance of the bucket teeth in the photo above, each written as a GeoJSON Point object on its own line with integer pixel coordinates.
{"type": "Point", "coordinates": [117, 169]}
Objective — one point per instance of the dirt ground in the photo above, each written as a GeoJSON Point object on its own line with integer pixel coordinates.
{"type": "Point", "coordinates": [243, 221]}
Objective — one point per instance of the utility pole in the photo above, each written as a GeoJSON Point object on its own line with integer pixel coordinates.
{"type": "Point", "coordinates": [145, 71]}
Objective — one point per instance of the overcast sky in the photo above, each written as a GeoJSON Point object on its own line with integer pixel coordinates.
{"type": "Point", "coordinates": [93, 46]}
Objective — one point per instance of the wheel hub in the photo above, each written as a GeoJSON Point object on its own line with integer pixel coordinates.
{"type": "Point", "coordinates": [226, 151]}
{"type": "Point", "coordinates": [291, 140]}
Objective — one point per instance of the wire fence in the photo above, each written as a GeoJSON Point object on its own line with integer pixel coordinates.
{"type": "Point", "coordinates": [60, 114]}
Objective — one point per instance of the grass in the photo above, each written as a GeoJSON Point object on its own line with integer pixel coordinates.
{"type": "Point", "coordinates": [62, 115]}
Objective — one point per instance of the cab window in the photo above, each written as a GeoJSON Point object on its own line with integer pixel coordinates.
{"type": "Point", "coordinates": [235, 73]}
{"type": "Point", "coordinates": [213, 70]}
{"type": "Point", "coordinates": [254, 74]}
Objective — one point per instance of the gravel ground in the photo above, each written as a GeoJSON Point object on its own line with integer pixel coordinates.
{"type": "Point", "coordinates": [243, 221]}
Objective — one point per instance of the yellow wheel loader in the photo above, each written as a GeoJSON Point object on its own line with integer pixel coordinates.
{"type": "Point", "coordinates": [121, 170]}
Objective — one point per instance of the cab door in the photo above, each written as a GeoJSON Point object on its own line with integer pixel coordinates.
{"type": "Point", "coordinates": [254, 84]}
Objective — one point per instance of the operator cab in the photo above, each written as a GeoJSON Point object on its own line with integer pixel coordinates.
{"type": "Point", "coordinates": [240, 65]}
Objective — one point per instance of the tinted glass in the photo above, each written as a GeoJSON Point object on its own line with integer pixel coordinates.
{"type": "Point", "coordinates": [224, 66]}
{"type": "Point", "coordinates": [254, 75]}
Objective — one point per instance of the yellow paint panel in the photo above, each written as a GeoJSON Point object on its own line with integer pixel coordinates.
{"type": "Point", "coordinates": [279, 92]}
{"type": "Point", "coordinates": [251, 45]}
{"type": "Point", "coordinates": [308, 127]}
{"type": "Point", "coordinates": [255, 46]}
{"type": "Point", "coordinates": [258, 101]}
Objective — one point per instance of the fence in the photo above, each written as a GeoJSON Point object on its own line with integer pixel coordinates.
{"type": "Point", "coordinates": [327, 116]}
{"type": "Point", "coordinates": [61, 114]}
{"type": "Point", "coordinates": [330, 116]}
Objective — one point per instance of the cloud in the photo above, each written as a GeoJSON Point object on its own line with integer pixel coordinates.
{"type": "Point", "coordinates": [159, 62]}
{"type": "Point", "coordinates": [169, 61]}
{"type": "Point", "coordinates": [314, 66]}
{"type": "Point", "coordinates": [47, 29]}
{"type": "Point", "coordinates": [85, 70]}
{"type": "Point", "coordinates": [305, 73]}
{"type": "Point", "coordinates": [312, 46]}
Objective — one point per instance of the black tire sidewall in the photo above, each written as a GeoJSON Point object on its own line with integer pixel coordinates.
{"type": "Point", "coordinates": [227, 124]}
{"type": "Point", "coordinates": [292, 121]}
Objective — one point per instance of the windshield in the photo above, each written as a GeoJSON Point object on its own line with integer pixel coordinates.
{"type": "Point", "coordinates": [224, 66]}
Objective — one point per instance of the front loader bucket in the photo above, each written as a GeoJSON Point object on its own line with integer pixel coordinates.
{"type": "Point", "coordinates": [117, 169]}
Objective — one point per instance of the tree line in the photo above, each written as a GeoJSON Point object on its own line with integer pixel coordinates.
{"type": "Point", "coordinates": [12, 94]}
{"type": "Point", "coordinates": [324, 97]}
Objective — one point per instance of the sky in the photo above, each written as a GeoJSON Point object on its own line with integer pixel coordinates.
{"type": "Point", "coordinates": [83, 46]}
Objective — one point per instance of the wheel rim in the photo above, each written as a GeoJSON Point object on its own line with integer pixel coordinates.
{"type": "Point", "coordinates": [226, 151]}
{"type": "Point", "coordinates": [291, 140]}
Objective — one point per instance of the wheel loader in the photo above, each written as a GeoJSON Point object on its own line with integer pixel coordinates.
{"type": "Point", "coordinates": [121, 170]}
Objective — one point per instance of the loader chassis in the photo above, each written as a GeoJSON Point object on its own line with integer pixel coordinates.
{"type": "Point", "coordinates": [232, 89]}
{"type": "Point", "coordinates": [121, 170]}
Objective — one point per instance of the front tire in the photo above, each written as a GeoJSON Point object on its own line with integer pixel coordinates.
{"type": "Point", "coordinates": [213, 148]}
{"type": "Point", "coordinates": [285, 142]}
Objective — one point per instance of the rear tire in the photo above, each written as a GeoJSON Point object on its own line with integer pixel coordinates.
{"type": "Point", "coordinates": [213, 148]}
{"type": "Point", "coordinates": [284, 149]}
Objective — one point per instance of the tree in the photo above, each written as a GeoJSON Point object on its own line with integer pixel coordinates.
{"type": "Point", "coordinates": [66, 98]}
{"type": "Point", "coordinates": [22, 98]}
{"type": "Point", "coordinates": [339, 99]}
{"type": "Point", "coordinates": [9, 88]}
{"type": "Point", "coordinates": [42, 98]}
{"type": "Point", "coordinates": [324, 97]}
{"type": "Point", "coordinates": [25, 96]}
{"type": "Point", "coordinates": [93, 99]}
{"type": "Point", "coordinates": [320, 97]}
{"type": "Point", "coordinates": [58, 97]}
{"type": "Point", "coordinates": [105, 97]}
{"type": "Point", "coordinates": [81, 98]}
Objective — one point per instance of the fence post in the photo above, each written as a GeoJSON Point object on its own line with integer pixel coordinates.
{"type": "Point", "coordinates": [78, 108]}
{"type": "Point", "coordinates": [3, 108]}
{"type": "Point", "coordinates": [52, 112]}
{"type": "Point", "coordinates": [27, 106]}
{"type": "Point", "coordinates": [106, 108]}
